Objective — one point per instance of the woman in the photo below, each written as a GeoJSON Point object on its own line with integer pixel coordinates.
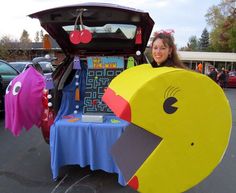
{"type": "Point", "coordinates": [164, 51]}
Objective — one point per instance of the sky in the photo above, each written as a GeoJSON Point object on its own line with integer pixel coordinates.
{"type": "Point", "coordinates": [185, 17]}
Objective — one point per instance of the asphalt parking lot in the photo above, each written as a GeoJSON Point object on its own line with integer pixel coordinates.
{"type": "Point", "coordinates": [25, 167]}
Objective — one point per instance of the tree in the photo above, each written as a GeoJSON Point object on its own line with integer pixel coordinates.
{"type": "Point", "coordinates": [222, 19]}
{"type": "Point", "coordinates": [5, 44]}
{"type": "Point", "coordinates": [25, 43]}
{"type": "Point", "coordinates": [41, 35]}
{"type": "Point", "coordinates": [204, 40]}
{"type": "Point", "coordinates": [36, 39]}
{"type": "Point", "coordinates": [232, 40]}
{"type": "Point", "coordinates": [192, 44]}
{"type": "Point", "coordinates": [25, 37]}
{"type": "Point", "coordinates": [7, 47]}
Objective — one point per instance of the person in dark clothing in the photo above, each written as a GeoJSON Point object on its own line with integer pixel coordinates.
{"type": "Point", "coordinates": [213, 74]}
{"type": "Point", "coordinates": [164, 50]}
{"type": "Point", "coordinates": [222, 78]}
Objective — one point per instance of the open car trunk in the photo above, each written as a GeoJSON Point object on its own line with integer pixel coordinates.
{"type": "Point", "coordinates": [119, 36]}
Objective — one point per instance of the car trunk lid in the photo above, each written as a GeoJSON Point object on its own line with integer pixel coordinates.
{"type": "Point", "coordinates": [114, 28]}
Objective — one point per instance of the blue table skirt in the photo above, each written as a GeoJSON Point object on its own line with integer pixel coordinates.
{"type": "Point", "coordinates": [73, 142]}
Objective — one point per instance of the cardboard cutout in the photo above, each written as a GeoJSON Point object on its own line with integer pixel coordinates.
{"type": "Point", "coordinates": [23, 101]}
{"type": "Point", "coordinates": [186, 110]}
{"type": "Point", "coordinates": [130, 62]}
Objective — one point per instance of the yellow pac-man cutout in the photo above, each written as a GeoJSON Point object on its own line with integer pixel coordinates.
{"type": "Point", "coordinates": [187, 110]}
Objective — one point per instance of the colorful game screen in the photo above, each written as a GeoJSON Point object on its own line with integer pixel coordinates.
{"type": "Point", "coordinates": [101, 70]}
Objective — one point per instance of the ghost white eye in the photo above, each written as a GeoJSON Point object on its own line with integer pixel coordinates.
{"type": "Point", "coordinates": [8, 87]}
{"type": "Point", "coordinates": [16, 88]}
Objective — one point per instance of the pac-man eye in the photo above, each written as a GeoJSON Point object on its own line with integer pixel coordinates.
{"type": "Point", "coordinates": [8, 87]}
{"type": "Point", "coordinates": [168, 105]}
{"type": "Point", "coordinates": [16, 88]}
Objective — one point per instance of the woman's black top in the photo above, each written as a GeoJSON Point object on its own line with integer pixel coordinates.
{"type": "Point", "coordinates": [167, 63]}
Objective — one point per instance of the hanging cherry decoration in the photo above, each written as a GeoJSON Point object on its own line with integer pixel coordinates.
{"type": "Point", "coordinates": [77, 36]}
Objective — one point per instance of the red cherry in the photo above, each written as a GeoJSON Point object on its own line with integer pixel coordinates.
{"type": "Point", "coordinates": [86, 36]}
{"type": "Point", "coordinates": [94, 102]}
{"type": "Point", "coordinates": [75, 37]}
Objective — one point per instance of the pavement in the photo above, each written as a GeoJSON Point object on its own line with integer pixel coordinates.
{"type": "Point", "coordinates": [25, 167]}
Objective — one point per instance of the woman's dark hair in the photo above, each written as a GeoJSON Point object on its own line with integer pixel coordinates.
{"type": "Point", "coordinates": [168, 40]}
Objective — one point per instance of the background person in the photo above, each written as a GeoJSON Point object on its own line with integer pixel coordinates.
{"type": "Point", "coordinates": [222, 78]}
{"type": "Point", "coordinates": [199, 68]}
{"type": "Point", "coordinates": [213, 74]}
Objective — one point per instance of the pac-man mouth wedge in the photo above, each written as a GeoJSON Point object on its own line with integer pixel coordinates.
{"type": "Point", "coordinates": [180, 127]}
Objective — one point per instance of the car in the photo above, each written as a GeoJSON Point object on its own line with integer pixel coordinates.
{"type": "Point", "coordinates": [1, 93]}
{"type": "Point", "coordinates": [96, 38]}
{"type": "Point", "coordinates": [7, 73]}
{"type": "Point", "coordinates": [232, 79]}
{"type": "Point", "coordinates": [47, 67]}
{"type": "Point", "coordinates": [21, 66]}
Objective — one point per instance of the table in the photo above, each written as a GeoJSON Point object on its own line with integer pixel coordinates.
{"type": "Point", "coordinates": [73, 142]}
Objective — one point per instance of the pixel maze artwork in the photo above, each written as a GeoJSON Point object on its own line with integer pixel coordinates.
{"type": "Point", "coordinates": [101, 70]}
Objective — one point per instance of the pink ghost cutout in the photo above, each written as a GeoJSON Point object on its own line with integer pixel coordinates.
{"type": "Point", "coordinates": [23, 101]}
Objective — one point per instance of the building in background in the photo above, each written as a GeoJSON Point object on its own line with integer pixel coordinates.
{"type": "Point", "coordinates": [207, 59]}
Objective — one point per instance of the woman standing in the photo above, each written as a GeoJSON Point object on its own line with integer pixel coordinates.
{"type": "Point", "coordinates": [164, 51]}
